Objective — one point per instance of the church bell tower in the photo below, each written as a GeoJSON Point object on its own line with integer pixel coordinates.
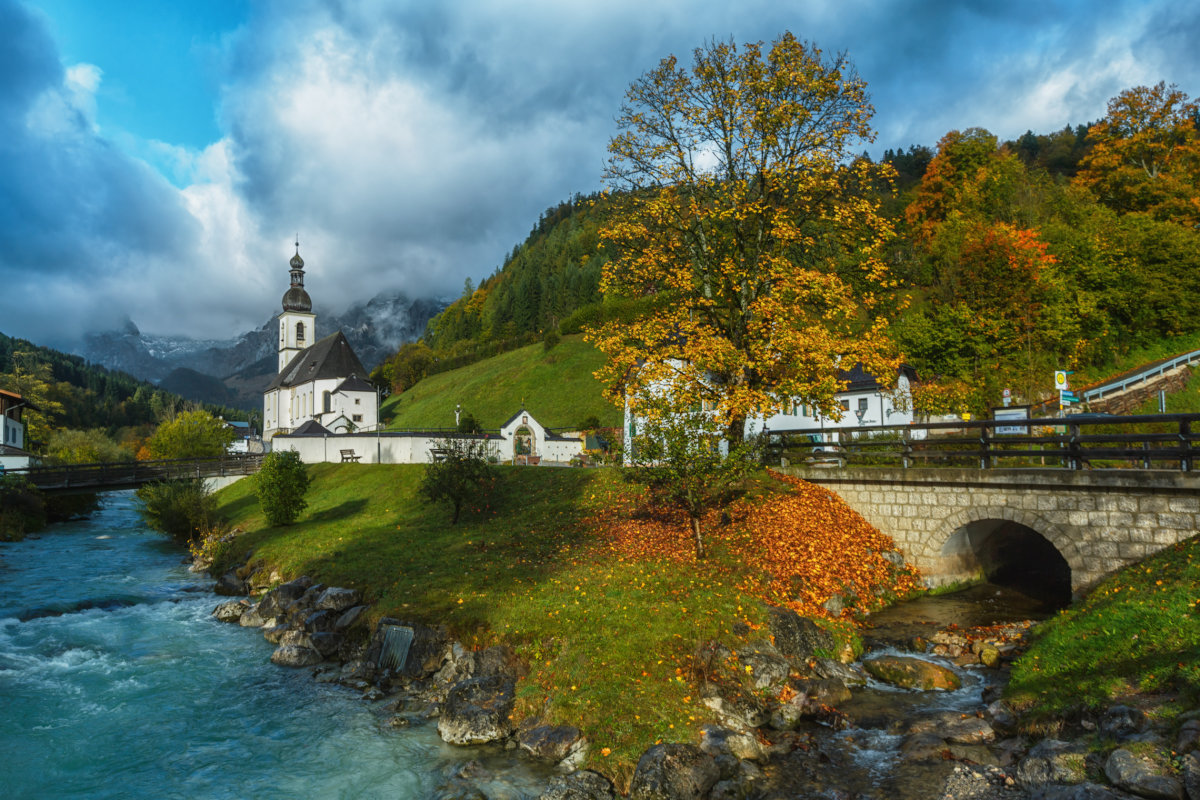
{"type": "Point", "coordinates": [297, 323]}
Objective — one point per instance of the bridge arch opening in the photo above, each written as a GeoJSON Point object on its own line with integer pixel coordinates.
{"type": "Point", "coordinates": [1010, 554]}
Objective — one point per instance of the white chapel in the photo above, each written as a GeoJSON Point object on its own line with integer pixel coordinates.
{"type": "Point", "coordinates": [321, 386]}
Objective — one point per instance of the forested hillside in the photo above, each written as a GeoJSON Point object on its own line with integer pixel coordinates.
{"type": "Point", "coordinates": [1059, 250]}
{"type": "Point", "coordinates": [70, 393]}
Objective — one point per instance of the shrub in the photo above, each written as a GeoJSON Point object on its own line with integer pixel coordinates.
{"type": "Point", "coordinates": [280, 486]}
{"type": "Point", "coordinates": [550, 340]}
{"type": "Point", "coordinates": [22, 509]}
{"type": "Point", "coordinates": [460, 472]}
{"type": "Point", "coordinates": [179, 508]}
{"type": "Point", "coordinates": [192, 434]}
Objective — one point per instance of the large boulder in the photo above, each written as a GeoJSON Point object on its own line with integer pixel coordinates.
{"type": "Point", "coordinates": [250, 618]}
{"type": "Point", "coordinates": [276, 602]}
{"type": "Point", "coordinates": [955, 727]}
{"type": "Point", "coordinates": [797, 637]}
{"type": "Point", "coordinates": [673, 772]}
{"type": "Point", "coordinates": [230, 610]}
{"type": "Point", "coordinates": [553, 743]}
{"type": "Point", "coordinates": [1190, 771]}
{"type": "Point", "coordinates": [1127, 771]}
{"type": "Point", "coordinates": [763, 664]}
{"type": "Point", "coordinates": [1121, 722]}
{"type": "Point", "coordinates": [742, 746]}
{"type": "Point", "coordinates": [348, 618]}
{"type": "Point", "coordinates": [477, 711]}
{"type": "Point", "coordinates": [294, 655]}
{"type": "Point", "coordinates": [912, 673]}
{"type": "Point", "coordinates": [846, 673]}
{"type": "Point", "coordinates": [335, 598]}
{"type": "Point", "coordinates": [1052, 761]}
{"type": "Point", "coordinates": [581, 785]}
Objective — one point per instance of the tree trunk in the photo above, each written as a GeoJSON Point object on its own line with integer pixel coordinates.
{"type": "Point", "coordinates": [457, 508]}
{"type": "Point", "coordinates": [697, 537]}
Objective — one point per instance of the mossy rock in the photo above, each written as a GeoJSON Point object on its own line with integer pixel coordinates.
{"type": "Point", "coordinates": [912, 673]}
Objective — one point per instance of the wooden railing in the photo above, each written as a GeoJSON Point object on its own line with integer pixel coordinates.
{"type": "Point", "coordinates": [101, 477]}
{"type": "Point", "coordinates": [1089, 441]}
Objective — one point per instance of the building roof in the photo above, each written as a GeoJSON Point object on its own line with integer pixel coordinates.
{"type": "Point", "coordinates": [859, 380]}
{"type": "Point", "coordinates": [311, 428]}
{"type": "Point", "coordinates": [9, 450]}
{"type": "Point", "coordinates": [354, 384]}
{"type": "Point", "coordinates": [331, 358]}
{"type": "Point", "coordinates": [297, 299]}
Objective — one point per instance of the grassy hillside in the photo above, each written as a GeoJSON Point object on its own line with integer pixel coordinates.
{"type": "Point", "coordinates": [606, 603]}
{"type": "Point", "coordinates": [556, 386]}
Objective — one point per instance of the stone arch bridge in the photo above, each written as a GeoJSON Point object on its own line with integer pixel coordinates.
{"type": "Point", "coordinates": [1069, 526]}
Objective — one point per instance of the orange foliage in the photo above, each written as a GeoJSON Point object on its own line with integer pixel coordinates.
{"type": "Point", "coordinates": [809, 545]}
{"type": "Point", "coordinates": [800, 547]}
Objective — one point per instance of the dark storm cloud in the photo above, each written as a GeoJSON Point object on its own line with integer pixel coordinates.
{"type": "Point", "coordinates": [77, 213]}
{"type": "Point", "coordinates": [413, 144]}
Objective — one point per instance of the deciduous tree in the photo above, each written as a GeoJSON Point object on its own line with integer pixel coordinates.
{"type": "Point", "coordinates": [741, 208]}
{"type": "Point", "coordinates": [192, 434]}
{"type": "Point", "coordinates": [1146, 154]}
{"type": "Point", "coordinates": [280, 485]}
{"type": "Point", "coordinates": [460, 473]}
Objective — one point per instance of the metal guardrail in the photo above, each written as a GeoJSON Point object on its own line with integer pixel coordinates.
{"type": "Point", "coordinates": [1146, 441]}
{"type": "Point", "coordinates": [123, 475]}
{"type": "Point", "coordinates": [1098, 392]}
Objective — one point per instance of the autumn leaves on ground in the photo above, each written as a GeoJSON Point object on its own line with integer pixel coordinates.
{"type": "Point", "coordinates": [598, 592]}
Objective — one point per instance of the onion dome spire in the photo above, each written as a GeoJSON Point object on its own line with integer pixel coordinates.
{"type": "Point", "coordinates": [296, 299]}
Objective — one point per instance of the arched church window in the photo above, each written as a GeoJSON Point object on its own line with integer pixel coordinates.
{"type": "Point", "coordinates": [299, 332]}
{"type": "Point", "coordinates": [327, 405]}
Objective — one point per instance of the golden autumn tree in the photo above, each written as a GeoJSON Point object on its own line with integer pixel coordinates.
{"type": "Point", "coordinates": [742, 213]}
{"type": "Point", "coordinates": [1146, 154]}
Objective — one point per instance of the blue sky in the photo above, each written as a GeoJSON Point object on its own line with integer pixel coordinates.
{"type": "Point", "coordinates": [157, 158]}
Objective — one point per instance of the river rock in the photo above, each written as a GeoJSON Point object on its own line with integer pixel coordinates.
{"type": "Point", "coordinates": [848, 674]}
{"type": "Point", "coordinates": [477, 711]}
{"type": "Point", "coordinates": [294, 655]}
{"type": "Point", "coordinates": [321, 621]}
{"type": "Point", "coordinates": [912, 673]}
{"type": "Point", "coordinates": [553, 743]}
{"type": "Point", "coordinates": [1052, 761]}
{"type": "Point", "coordinates": [251, 618]}
{"type": "Point", "coordinates": [1121, 722]}
{"type": "Point", "coordinates": [673, 772]}
{"type": "Point", "coordinates": [230, 611]}
{"type": "Point", "coordinates": [822, 691]}
{"type": "Point", "coordinates": [766, 667]}
{"type": "Point", "coordinates": [741, 746]}
{"type": "Point", "coordinates": [348, 618]}
{"type": "Point", "coordinates": [498, 660]}
{"type": "Point", "coordinates": [797, 637]}
{"type": "Point", "coordinates": [955, 727]}
{"type": "Point", "coordinates": [582, 785]}
{"type": "Point", "coordinates": [276, 602]}
{"type": "Point", "coordinates": [1136, 775]}
{"type": "Point", "coordinates": [230, 585]}
{"type": "Point", "coordinates": [335, 598]}
{"type": "Point", "coordinates": [1190, 772]}
{"type": "Point", "coordinates": [989, 656]}
{"type": "Point", "coordinates": [274, 634]}
{"type": "Point", "coordinates": [740, 710]}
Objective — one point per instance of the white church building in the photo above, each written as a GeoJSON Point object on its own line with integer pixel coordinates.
{"type": "Point", "coordinates": [319, 380]}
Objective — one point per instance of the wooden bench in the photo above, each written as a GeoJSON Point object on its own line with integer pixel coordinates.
{"type": "Point", "coordinates": [349, 455]}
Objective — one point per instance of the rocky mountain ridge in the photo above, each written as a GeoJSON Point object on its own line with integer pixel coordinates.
{"type": "Point", "coordinates": [235, 371]}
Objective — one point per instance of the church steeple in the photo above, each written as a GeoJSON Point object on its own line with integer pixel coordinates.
{"type": "Point", "coordinates": [296, 299]}
{"type": "Point", "coordinates": [297, 323]}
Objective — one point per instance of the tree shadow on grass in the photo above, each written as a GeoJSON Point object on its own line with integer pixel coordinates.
{"type": "Point", "coordinates": [341, 511]}
{"type": "Point", "coordinates": [238, 507]}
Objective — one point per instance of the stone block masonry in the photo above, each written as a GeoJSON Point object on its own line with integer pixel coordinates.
{"type": "Point", "coordinates": [1098, 520]}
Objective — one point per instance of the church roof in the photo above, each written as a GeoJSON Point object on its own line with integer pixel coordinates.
{"type": "Point", "coordinates": [354, 384]}
{"type": "Point", "coordinates": [311, 428]}
{"type": "Point", "coordinates": [331, 358]}
{"type": "Point", "coordinates": [296, 299]}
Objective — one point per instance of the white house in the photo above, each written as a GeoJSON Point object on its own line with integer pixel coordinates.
{"type": "Point", "coordinates": [521, 440]}
{"type": "Point", "coordinates": [864, 400]}
{"type": "Point", "coordinates": [865, 403]}
{"type": "Point", "coordinates": [12, 432]}
{"type": "Point", "coordinates": [321, 381]}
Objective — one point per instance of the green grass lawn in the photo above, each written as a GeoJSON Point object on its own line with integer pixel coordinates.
{"type": "Point", "coordinates": [1137, 632]}
{"type": "Point", "coordinates": [608, 639]}
{"type": "Point", "coordinates": [556, 387]}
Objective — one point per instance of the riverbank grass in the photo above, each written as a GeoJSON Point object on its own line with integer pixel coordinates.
{"type": "Point", "coordinates": [1136, 634]}
{"type": "Point", "coordinates": [602, 597]}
